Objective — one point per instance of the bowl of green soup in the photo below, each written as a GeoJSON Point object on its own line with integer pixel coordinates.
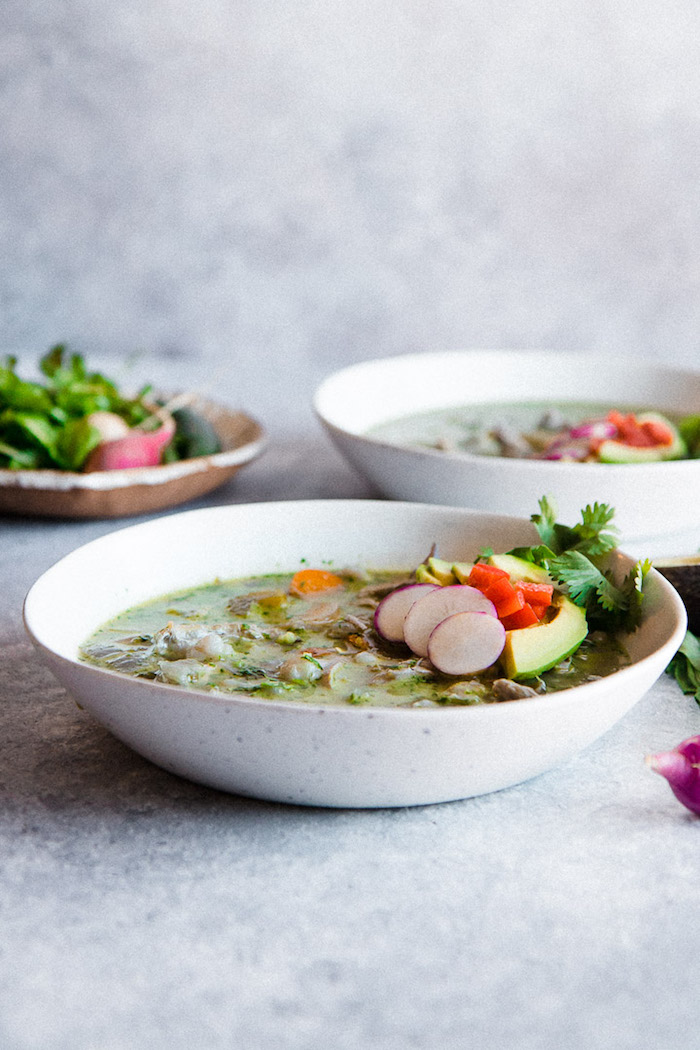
{"type": "Point", "coordinates": [265, 649]}
{"type": "Point", "coordinates": [493, 430]}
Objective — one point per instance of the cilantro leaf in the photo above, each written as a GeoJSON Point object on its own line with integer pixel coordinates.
{"type": "Point", "coordinates": [634, 588]}
{"type": "Point", "coordinates": [685, 666]}
{"type": "Point", "coordinates": [587, 585]}
{"type": "Point", "coordinates": [572, 555]}
{"type": "Point", "coordinates": [589, 536]}
{"type": "Point", "coordinates": [546, 522]}
{"type": "Point", "coordinates": [593, 539]}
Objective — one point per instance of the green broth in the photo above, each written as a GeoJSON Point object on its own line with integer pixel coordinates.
{"type": "Point", "coordinates": [251, 636]}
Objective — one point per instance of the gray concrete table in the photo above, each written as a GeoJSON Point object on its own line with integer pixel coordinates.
{"type": "Point", "coordinates": [138, 910]}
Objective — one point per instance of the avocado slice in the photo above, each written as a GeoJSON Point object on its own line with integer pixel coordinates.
{"type": "Point", "coordinates": [618, 452]}
{"type": "Point", "coordinates": [520, 568]}
{"type": "Point", "coordinates": [441, 571]}
{"type": "Point", "coordinates": [461, 570]}
{"type": "Point", "coordinates": [530, 651]}
{"type": "Point", "coordinates": [424, 575]}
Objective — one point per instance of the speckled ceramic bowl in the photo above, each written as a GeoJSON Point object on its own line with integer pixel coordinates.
{"type": "Point", "coordinates": [313, 755]}
{"type": "Point", "coordinates": [650, 499]}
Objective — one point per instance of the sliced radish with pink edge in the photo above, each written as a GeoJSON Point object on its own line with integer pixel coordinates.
{"type": "Point", "coordinates": [391, 611]}
{"type": "Point", "coordinates": [428, 611]}
{"type": "Point", "coordinates": [466, 642]}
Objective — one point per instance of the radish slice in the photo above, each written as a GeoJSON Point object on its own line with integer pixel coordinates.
{"type": "Point", "coordinates": [466, 642]}
{"type": "Point", "coordinates": [429, 610]}
{"type": "Point", "coordinates": [391, 611]}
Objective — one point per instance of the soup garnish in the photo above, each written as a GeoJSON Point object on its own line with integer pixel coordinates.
{"type": "Point", "coordinates": [569, 432]}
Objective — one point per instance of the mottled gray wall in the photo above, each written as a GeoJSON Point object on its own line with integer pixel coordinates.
{"type": "Point", "coordinates": [293, 184]}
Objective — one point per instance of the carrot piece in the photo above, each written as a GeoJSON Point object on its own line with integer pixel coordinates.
{"type": "Point", "coordinates": [525, 617]}
{"type": "Point", "coordinates": [311, 581]}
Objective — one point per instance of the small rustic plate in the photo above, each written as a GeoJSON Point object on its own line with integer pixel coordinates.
{"type": "Point", "coordinates": [137, 490]}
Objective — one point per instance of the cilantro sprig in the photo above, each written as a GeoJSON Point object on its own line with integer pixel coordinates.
{"type": "Point", "coordinates": [685, 666]}
{"type": "Point", "coordinates": [573, 556]}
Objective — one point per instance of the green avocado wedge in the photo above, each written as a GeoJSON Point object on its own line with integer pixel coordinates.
{"type": "Point", "coordinates": [520, 569]}
{"type": "Point", "coordinates": [530, 651]}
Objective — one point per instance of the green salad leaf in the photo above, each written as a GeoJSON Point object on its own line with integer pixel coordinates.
{"type": "Point", "coordinates": [45, 425]}
{"type": "Point", "coordinates": [572, 555]}
{"type": "Point", "coordinates": [685, 666]}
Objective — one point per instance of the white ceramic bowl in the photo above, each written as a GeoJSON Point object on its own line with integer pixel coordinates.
{"type": "Point", "coordinates": [649, 499]}
{"type": "Point", "coordinates": [299, 753]}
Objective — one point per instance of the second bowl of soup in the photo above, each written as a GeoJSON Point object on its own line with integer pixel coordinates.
{"type": "Point", "coordinates": [494, 430]}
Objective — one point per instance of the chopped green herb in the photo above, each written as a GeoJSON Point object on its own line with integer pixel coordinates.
{"type": "Point", "coordinates": [571, 556]}
{"type": "Point", "coordinates": [685, 666]}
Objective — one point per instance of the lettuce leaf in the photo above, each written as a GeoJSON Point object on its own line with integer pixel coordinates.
{"type": "Point", "coordinates": [45, 425]}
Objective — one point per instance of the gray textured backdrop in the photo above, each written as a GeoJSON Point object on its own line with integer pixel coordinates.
{"type": "Point", "coordinates": [281, 186]}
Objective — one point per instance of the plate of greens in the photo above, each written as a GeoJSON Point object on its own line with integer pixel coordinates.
{"type": "Point", "coordinates": [73, 445]}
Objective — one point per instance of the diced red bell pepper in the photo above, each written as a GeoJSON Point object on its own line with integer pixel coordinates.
{"type": "Point", "coordinates": [518, 603]}
{"type": "Point", "coordinates": [525, 617]}
{"type": "Point", "coordinates": [540, 611]}
{"type": "Point", "coordinates": [499, 590]}
{"type": "Point", "coordinates": [512, 604]}
{"type": "Point", "coordinates": [658, 431]}
{"type": "Point", "coordinates": [505, 596]}
{"type": "Point", "coordinates": [536, 593]}
{"type": "Point", "coordinates": [647, 434]}
{"type": "Point", "coordinates": [482, 575]}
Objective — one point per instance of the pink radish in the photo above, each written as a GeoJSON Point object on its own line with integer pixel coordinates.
{"type": "Point", "coordinates": [466, 642]}
{"type": "Point", "coordinates": [138, 448]}
{"type": "Point", "coordinates": [425, 614]}
{"type": "Point", "coordinates": [391, 611]}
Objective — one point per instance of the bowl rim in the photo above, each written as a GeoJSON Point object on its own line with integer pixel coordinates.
{"type": "Point", "coordinates": [560, 698]}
